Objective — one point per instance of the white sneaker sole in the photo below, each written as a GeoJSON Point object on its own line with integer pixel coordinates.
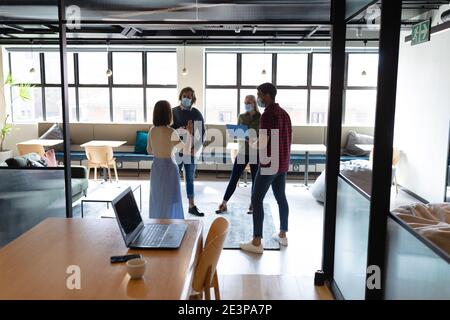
{"type": "Point", "coordinates": [251, 248]}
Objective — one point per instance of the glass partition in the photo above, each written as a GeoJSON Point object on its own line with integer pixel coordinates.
{"type": "Point", "coordinates": [352, 227]}
{"type": "Point", "coordinates": [27, 197]}
{"type": "Point", "coordinates": [413, 269]}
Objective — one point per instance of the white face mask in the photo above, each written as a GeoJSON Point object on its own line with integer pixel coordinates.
{"type": "Point", "coordinates": [260, 102]}
{"type": "Point", "coordinates": [249, 107]}
{"type": "Point", "coordinates": [186, 103]}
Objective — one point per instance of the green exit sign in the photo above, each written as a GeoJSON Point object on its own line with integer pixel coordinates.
{"type": "Point", "coordinates": [420, 32]}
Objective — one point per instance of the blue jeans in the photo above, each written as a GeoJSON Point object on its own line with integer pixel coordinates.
{"type": "Point", "coordinates": [189, 177]}
{"type": "Point", "coordinates": [262, 184]}
{"type": "Point", "coordinates": [238, 168]}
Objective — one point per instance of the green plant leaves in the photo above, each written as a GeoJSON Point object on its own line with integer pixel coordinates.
{"type": "Point", "coordinates": [24, 88]}
{"type": "Point", "coordinates": [24, 91]}
{"type": "Point", "coordinates": [9, 79]}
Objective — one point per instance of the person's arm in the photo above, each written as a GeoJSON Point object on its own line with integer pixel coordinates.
{"type": "Point", "coordinates": [149, 142]}
{"type": "Point", "coordinates": [263, 137]}
{"type": "Point", "coordinates": [176, 122]}
{"type": "Point", "coordinates": [240, 120]}
{"type": "Point", "coordinates": [200, 118]}
{"type": "Point", "coordinates": [176, 141]}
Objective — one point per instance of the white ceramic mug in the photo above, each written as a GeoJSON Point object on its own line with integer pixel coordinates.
{"type": "Point", "coordinates": [136, 268]}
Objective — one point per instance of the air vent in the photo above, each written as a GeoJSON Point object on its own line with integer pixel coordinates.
{"type": "Point", "coordinates": [445, 16]}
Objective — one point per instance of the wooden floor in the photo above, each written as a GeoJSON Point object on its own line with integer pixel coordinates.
{"type": "Point", "coordinates": [271, 287]}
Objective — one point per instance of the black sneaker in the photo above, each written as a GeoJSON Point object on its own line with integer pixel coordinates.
{"type": "Point", "coordinates": [195, 212]}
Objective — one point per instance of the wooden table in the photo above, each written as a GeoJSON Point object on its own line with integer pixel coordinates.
{"type": "Point", "coordinates": [43, 142]}
{"type": "Point", "coordinates": [307, 149]}
{"type": "Point", "coordinates": [103, 143]}
{"type": "Point", "coordinates": [295, 149]}
{"type": "Point", "coordinates": [34, 265]}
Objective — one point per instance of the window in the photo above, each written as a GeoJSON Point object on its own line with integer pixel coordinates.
{"type": "Point", "coordinates": [156, 94]}
{"type": "Point", "coordinates": [362, 69]}
{"type": "Point", "coordinates": [162, 68]}
{"type": "Point", "coordinates": [52, 68]}
{"type": "Point", "coordinates": [221, 69]}
{"type": "Point", "coordinates": [321, 69]}
{"type": "Point", "coordinates": [53, 104]}
{"type": "Point", "coordinates": [22, 66]}
{"type": "Point", "coordinates": [24, 111]}
{"type": "Point", "coordinates": [128, 104]}
{"type": "Point", "coordinates": [94, 104]}
{"type": "Point", "coordinates": [319, 106]}
{"type": "Point", "coordinates": [292, 69]}
{"type": "Point", "coordinates": [92, 97]}
{"type": "Point", "coordinates": [127, 67]}
{"type": "Point", "coordinates": [221, 106]}
{"type": "Point", "coordinates": [360, 107]}
{"type": "Point", "coordinates": [302, 90]}
{"type": "Point", "coordinates": [253, 66]}
{"type": "Point", "coordinates": [295, 102]}
{"type": "Point", "coordinates": [92, 67]}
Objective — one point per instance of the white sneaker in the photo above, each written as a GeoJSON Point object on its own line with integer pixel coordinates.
{"type": "Point", "coordinates": [250, 247]}
{"type": "Point", "coordinates": [282, 241]}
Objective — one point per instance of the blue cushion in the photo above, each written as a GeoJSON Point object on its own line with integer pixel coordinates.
{"type": "Point", "coordinates": [141, 142]}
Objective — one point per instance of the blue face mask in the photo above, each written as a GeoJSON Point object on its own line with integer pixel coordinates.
{"type": "Point", "coordinates": [260, 103]}
{"type": "Point", "coordinates": [249, 107]}
{"type": "Point", "coordinates": [186, 103]}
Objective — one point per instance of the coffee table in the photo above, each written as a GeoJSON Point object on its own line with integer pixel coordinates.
{"type": "Point", "coordinates": [107, 193]}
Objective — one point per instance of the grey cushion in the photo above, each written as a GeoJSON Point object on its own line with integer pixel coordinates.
{"type": "Point", "coordinates": [26, 160]}
{"type": "Point", "coordinates": [353, 139]}
{"type": "Point", "coordinates": [54, 133]}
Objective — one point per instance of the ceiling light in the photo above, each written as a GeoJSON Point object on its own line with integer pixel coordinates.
{"type": "Point", "coordinates": [108, 71]}
{"type": "Point", "coordinates": [263, 72]}
{"type": "Point", "coordinates": [364, 72]}
{"type": "Point", "coordinates": [184, 71]}
{"type": "Point", "coordinates": [32, 69]}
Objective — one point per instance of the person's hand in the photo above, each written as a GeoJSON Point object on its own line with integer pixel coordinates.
{"type": "Point", "coordinates": [190, 127]}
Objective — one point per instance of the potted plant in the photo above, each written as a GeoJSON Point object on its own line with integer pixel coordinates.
{"type": "Point", "coordinates": [5, 127]}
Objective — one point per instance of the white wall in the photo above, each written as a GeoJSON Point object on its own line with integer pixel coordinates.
{"type": "Point", "coordinates": [2, 92]}
{"type": "Point", "coordinates": [22, 131]}
{"type": "Point", "coordinates": [423, 115]}
{"type": "Point", "coordinates": [195, 76]}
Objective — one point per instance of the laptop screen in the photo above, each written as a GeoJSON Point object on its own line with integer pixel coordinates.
{"type": "Point", "coordinates": [127, 213]}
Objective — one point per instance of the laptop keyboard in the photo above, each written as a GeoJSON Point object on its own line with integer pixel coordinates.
{"type": "Point", "coordinates": [152, 235]}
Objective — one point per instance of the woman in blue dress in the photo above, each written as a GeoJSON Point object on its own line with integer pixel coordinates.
{"type": "Point", "coordinates": [163, 141]}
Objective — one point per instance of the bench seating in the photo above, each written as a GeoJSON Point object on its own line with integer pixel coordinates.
{"type": "Point", "coordinates": [219, 157]}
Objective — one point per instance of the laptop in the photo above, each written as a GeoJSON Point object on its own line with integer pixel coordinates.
{"type": "Point", "coordinates": [138, 235]}
{"type": "Point", "coordinates": [237, 131]}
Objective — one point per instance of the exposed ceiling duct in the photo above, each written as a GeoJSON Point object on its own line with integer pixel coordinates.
{"type": "Point", "coordinates": [445, 16]}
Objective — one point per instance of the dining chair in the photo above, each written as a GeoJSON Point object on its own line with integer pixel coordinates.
{"type": "Point", "coordinates": [30, 148]}
{"type": "Point", "coordinates": [101, 157]}
{"type": "Point", "coordinates": [205, 275]}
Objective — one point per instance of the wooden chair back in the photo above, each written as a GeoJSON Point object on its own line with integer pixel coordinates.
{"type": "Point", "coordinates": [206, 267]}
{"type": "Point", "coordinates": [99, 154]}
{"type": "Point", "coordinates": [30, 148]}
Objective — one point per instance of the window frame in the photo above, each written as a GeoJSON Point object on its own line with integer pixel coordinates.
{"type": "Point", "coordinates": [309, 86]}
{"type": "Point", "coordinates": [76, 85]}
